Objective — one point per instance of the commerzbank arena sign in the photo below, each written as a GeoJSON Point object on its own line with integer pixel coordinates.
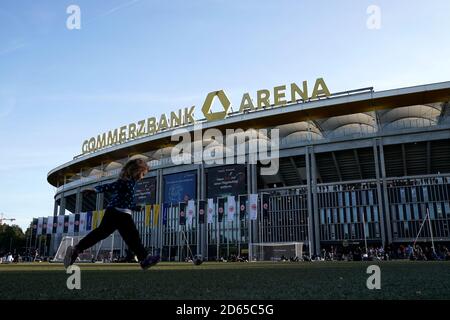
{"type": "Point", "coordinates": [265, 99]}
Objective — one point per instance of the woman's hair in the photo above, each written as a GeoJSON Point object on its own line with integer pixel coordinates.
{"type": "Point", "coordinates": [133, 168]}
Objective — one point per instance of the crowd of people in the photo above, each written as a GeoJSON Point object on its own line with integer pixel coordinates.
{"type": "Point", "coordinates": [418, 252]}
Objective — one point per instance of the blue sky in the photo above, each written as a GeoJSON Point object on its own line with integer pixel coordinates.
{"type": "Point", "coordinates": [135, 59]}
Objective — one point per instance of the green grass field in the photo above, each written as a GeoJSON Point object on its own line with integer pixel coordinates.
{"type": "Point", "coordinates": [319, 280]}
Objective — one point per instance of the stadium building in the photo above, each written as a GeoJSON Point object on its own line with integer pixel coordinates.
{"type": "Point", "coordinates": [355, 168]}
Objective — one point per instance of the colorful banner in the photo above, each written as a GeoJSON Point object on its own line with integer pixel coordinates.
{"type": "Point", "coordinates": [49, 224]}
{"type": "Point", "coordinates": [180, 187]}
{"type": "Point", "coordinates": [201, 211]}
{"type": "Point", "coordinates": [265, 205]}
{"type": "Point", "coordinates": [95, 216]}
{"type": "Point", "coordinates": [182, 206]}
{"type": "Point", "coordinates": [66, 224]}
{"type": "Point", "coordinates": [148, 211]}
{"type": "Point", "coordinates": [34, 226]}
{"type": "Point", "coordinates": [165, 213]}
{"type": "Point", "coordinates": [60, 228]}
{"type": "Point", "coordinates": [156, 208]}
{"type": "Point", "coordinates": [231, 208]}
{"type": "Point", "coordinates": [253, 206]}
{"type": "Point", "coordinates": [242, 206]}
{"type": "Point", "coordinates": [226, 181]}
{"type": "Point", "coordinates": [76, 227]}
{"type": "Point", "coordinates": [190, 211]}
{"type": "Point", "coordinates": [44, 225]}
{"type": "Point", "coordinates": [89, 217]}
{"type": "Point", "coordinates": [39, 226]}
{"type": "Point", "coordinates": [55, 224]}
{"type": "Point", "coordinates": [145, 191]}
{"type": "Point", "coordinates": [83, 217]}
{"type": "Point", "coordinates": [71, 224]}
{"type": "Point", "coordinates": [221, 208]}
{"type": "Point", "coordinates": [211, 211]}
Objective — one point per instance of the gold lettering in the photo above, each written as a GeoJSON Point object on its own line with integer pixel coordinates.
{"type": "Point", "coordinates": [122, 134]}
{"type": "Point", "coordinates": [101, 141]}
{"type": "Point", "coordinates": [296, 90]}
{"type": "Point", "coordinates": [151, 125]}
{"type": "Point", "coordinates": [323, 91]}
{"type": "Point", "coordinates": [246, 103]}
{"type": "Point", "coordinates": [279, 95]}
{"type": "Point", "coordinates": [163, 123]}
{"type": "Point", "coordinates": [92, 144]}
{"type": "Point", "coordinates": [131, 131]}
{"type": "Point", "coordinates": [141, 129]}
{"type": "Point", "coordinates": [175, 119]}
{"type": "Point", "coordinates": [84, 148]}
{"type": "Point", "coordinates": [263, 98]}
{"type": "Point", "coordinates": [189, 115]}
{"type": "Point", "coordinates": [112, 137]}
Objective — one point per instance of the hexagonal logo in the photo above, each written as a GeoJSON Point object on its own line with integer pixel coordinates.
{"type": "Point", "coordinates": [213, 116]}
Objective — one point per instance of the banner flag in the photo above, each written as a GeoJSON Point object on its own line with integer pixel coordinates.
{"type": "Point", "coordinates": [148, 211]}
{"type": "Point", "coordinates": [242, 206]}
{"type": "Point", "coordinates": [231, 207]}
{"type": "Point", "coordinates": [66, 224]}
{"type": "Point", "coordinates": [156, 208]}
{"type": "Point", "coordinates": [82, 227]}
{"type": "Point", "coordinates": [34, 226]}
{"type": "Point", "coordinates": [253, 206]}
{"type": "Point", "coordinates": [44, 225]}
{"type": "Point", "coordinates": [76, 227]}
{"type": "Point", "coordinates": [211, 211]}
{"type": "Point", "coordinates": [221, 208]}
{"type": "Point", "coordinates": [265, 205]}
{"type": "Point", "coordinates": [88, 221]}
{"type": "Point", "coordinates": [39, 226]}
{"type": "Point", "coordinates": [49, 224]}
{"type": "Point", "coordinates": [165, 212]}
{"type": "Point", "coordinates": [71, 224]}
{"type": "Point", "coordinates": [60, 228]}
{"type": "Point", "coordinates": [55, 224]}
{"type": "Point", "coordinates": [201, 211]}
{"type": "Point", "coordinates": [182, 206]}
{"type": "Point", "coordinates": [190, 211]}
{"type": "Point", "coordinates": [95, 215]}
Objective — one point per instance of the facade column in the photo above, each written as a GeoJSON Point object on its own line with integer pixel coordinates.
{"type": "Point", "coordinates": [309, 201]}
{"type": "Point", "coordinates": [252, 224]}
{"type": "Point", "coordinates": [62, 205]}
{"type": "Point", "coordinates": [204, 226]}
{"type": "Point", "coordinates": [381, 209]}
{"type": "Point", "coordinates": [316, 220]}
{"type": "Point", "coordinates": [159, 200]}
{"type": "Point", "coordinates": [55, 208]}
{"type": "Point", "coordinates": [78, 201]}
{"type": "Point", "coordinates": [385, 194]}
{"type": "Point", "coordinates": [199, 197]}
{"type": "Point", "coordinates": [99, 201]}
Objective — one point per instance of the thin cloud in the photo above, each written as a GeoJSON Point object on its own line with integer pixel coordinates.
{"type": "Point", "coordinates": [119, 7]}
{"type": "Point", "coordinates": [13, 48]}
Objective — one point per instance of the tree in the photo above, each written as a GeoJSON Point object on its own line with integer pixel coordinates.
{"type": "Point", "coordinates": [12, 239]}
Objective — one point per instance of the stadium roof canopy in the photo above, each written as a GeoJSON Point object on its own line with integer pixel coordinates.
{"type": "Point", "coordinates": [326, 117]}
